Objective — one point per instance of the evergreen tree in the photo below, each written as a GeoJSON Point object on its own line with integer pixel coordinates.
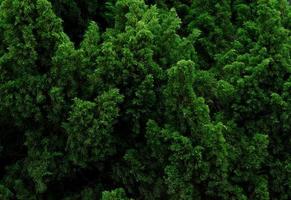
{"type": "Point", "coordinates": [134, 99]}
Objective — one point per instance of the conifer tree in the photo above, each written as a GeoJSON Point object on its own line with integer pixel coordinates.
{"type": "Point", "coordinates": [134, 99]}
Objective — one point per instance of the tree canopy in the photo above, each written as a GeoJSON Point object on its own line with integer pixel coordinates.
{"type": "Point", "coordinates": [140, 99]}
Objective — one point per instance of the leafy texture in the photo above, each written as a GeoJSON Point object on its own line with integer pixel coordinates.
{"type": "Point", "coordinates": [134, 99]}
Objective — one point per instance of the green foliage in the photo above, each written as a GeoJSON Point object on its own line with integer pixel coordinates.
{"type": "Point", "coordinates": [117, 194]}
{"type": "Point", "coordinates": [134, 99]}
{"type": "Point", "coordinates": [89, 128]}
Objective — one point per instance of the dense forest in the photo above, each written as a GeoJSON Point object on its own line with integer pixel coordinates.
{"type": "Point", "coordinates": [140, 99]}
